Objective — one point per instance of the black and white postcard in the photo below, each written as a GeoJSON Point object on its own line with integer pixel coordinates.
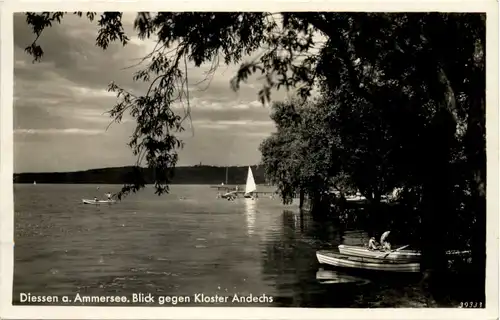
{"type": "Point", "coordinates": [261, 160]}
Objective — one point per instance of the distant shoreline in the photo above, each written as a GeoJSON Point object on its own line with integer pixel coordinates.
{"type": "Point", "coordinates": [199, 174]}
{"type": "Point", "coordinates": [147, 184]}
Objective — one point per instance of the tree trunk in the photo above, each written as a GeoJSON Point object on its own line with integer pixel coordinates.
{"type": "Point", "coordinates": [478, 242]}
{"type": "Point", "coordinates": [317, 211]}
{"type": "Point", "coordinates": [301, 198]}
{"type": "Point", "coordinates": [376, 216]}
{"type": "Point", "coordinates": [475, 147]}
{"type": "Point", "coordinates": [436, 193]}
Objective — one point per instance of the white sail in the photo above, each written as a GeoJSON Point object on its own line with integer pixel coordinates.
{"type": "Point", "coordinates": [250, 186]}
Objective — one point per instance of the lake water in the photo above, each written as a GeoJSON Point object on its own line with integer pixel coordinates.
{"type": "Point", "coordinates": [168, 246]}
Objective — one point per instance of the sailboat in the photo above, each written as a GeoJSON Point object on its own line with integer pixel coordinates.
{"type": "Point", "coordinates": [230, 195]}
{"type": "Point", "coordinates": [250, 186]}
{"type": "Point", "coordinates": [227, 170]}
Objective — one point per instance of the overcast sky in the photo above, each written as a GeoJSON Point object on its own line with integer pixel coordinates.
{"type": "Point", "coordinates": [59, 105]}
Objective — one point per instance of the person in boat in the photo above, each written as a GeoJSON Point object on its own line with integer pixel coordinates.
{"type": "Point", "coordinates": [372, 244]}
{"type": "Point", "coordinates": [95, 199]}
{"type": "Point", "coordinates": [386, 245]}
{"type": "Point", "coordinates": [108, 195]}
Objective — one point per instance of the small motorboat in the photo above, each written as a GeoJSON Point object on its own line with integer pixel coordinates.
{"type": "Point", "coordinates": [91, 201]}
{"type": "Point", "coordinates": [366, 263]}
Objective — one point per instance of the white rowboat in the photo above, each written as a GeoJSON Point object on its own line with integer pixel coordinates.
{"type": "Point", "coordinates": [89, 201]}
{"type": "Point", "coordinates": [400, 255]}
{"type": "Point", "coordinates": [359, 251]}
{"type": "Point", "coordinates": [345, 261]}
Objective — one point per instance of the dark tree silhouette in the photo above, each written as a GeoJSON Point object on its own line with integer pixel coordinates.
{"type": "Point", "coordinates": [428, 68]}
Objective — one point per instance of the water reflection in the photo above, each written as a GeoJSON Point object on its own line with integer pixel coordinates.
{"type": "Point", "coordinates": [175, 248]}
{"type": "Point", "coordinates": [334, 277]}
{"type": "Point", "coordinates": [250, 212]}
{"type": "Point", "coordinates": [290, 264]}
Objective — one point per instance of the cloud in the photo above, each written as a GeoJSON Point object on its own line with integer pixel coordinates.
{"type": "Point", "coordinates": [60, 104]}
{"type": "Point", "coordinates": [225, 124]}
{"type": "Point", "coordinates": [72, 131]}
{"type": "Point", "coordinates": [218, 104]}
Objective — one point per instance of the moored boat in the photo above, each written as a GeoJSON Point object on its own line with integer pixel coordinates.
{"type": "Point", "coordinates": [89, 201]}
{"type": "Point", "coordinates": [358, 251]}
{"type": "Point", "coordinates": [229, 195]}
{"type": "Point", "coordinates": [366, 263]}
{"type": "Point", "coordinates": [400, 255]}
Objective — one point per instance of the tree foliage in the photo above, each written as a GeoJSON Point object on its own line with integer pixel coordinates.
{"type": "Point", "coordinates": [301, 155]}
{"type": "Point", "coordinates": [404, 56]}
{"type": "Point", "coordinates": [405, 94]}
{"type": "Point", "coordinates": [403, 100]}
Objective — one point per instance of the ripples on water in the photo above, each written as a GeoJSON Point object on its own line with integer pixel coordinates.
{"type": "Point", "coordinates": [172, 246]}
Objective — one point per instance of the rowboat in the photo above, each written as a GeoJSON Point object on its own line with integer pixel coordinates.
{"type": "Point", "coordinates": [366, 263]}
{"type": "Point", "coordinates": [229, 195]}
{"type": "Point", "coordinates": [89, 201]}
{"type": "Point", "coordinates": [399, 255]}
{"type": "Point", "coordinates": [358, 251]}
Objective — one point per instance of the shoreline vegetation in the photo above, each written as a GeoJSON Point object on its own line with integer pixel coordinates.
{"type": "Point", "coordinates": [457, 284]}
{"type": "Point", "coordinates": [197, 174]}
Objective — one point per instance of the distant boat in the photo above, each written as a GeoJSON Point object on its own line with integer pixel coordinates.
{"type": "Point", "coordinates": [222, 183]}
{"type": "Point", "coordinates": [90, 201]}
{"type": "Point", "coordinates": [250, 185]}
{"type": "Point", "coordinates": [356, 198]}
{"type": "Point", "coordinates": [230, 195]}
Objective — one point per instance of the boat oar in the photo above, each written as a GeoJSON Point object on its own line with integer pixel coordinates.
{"type": "Point", "coordinates": [385, 254]}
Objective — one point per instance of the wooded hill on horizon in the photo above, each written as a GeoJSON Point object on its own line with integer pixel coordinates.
{"type": "Point", "coordinates": [198, 174]}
